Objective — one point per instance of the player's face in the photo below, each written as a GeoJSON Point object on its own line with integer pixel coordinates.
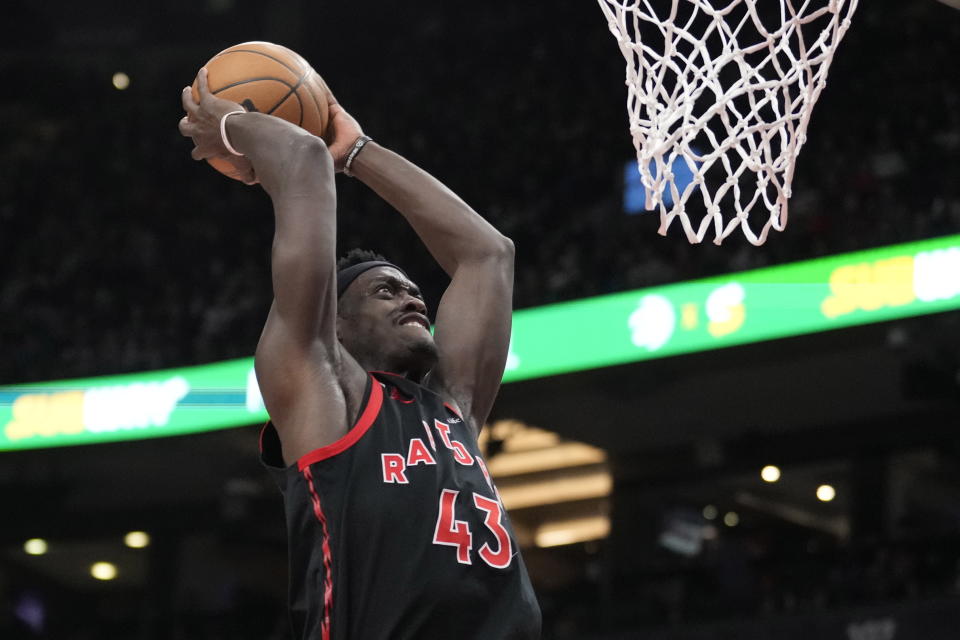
{"type": "Point", "coordinates": [383, 322]}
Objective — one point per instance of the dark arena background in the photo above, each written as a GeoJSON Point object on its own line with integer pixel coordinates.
{"type": "Point", "coordinates": [799, 483]}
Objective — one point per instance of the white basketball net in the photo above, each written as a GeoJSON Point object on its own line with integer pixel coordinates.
{"type": "Point", "coordinates": [723, 93]}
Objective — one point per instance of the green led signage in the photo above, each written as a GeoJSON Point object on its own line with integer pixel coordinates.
{"type": "Point", "coordinates": [764, 304]}
{"type": "Point", "coordinates": [130, 407]}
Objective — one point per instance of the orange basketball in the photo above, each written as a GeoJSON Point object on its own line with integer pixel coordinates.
{"type": "Point", "coordinates": [268, 78]}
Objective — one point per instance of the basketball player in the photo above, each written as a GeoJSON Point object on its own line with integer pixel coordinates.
{"type": "Point", "coordinates": [395, 527]}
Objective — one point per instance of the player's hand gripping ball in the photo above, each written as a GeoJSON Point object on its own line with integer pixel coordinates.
{"type": "Point", "coordinates": [269, 78]}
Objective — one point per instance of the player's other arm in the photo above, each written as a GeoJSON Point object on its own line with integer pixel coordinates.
{"type": "Point", "coordinates": [307, 387]}
{"type": "Point", "coordinates": [472, 329]}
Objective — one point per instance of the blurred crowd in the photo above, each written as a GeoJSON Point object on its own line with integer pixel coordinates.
{"type": "Point", "coordinates": [740, 578]}
{"type": "Point", "coordinates": [120, 254]}
{"type": "Point", "coordinates": [758, 577]}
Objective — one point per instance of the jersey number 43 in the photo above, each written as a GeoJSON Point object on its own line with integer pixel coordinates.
{"type": "Point", "coordinates": [456, 533]}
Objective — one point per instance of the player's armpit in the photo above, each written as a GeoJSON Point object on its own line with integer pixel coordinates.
{"type": "Point", "coordinates": [311, 390]}
{"type": "Point", "coordinates": [472, 332]}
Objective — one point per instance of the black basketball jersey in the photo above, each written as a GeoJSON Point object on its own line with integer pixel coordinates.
{"type": "Point", "coordinates": [396, 530]}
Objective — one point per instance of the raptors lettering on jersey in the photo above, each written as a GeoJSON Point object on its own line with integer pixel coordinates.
{"type": "Point", "coordinates": [449, 531]}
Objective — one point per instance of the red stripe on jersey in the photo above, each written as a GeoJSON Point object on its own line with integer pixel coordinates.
{"type": "Point", "coordinates": [356, 432]}
{"type": "Point", "coordinates": [327, 557]}
{"type": "Point", "coordinates": [263, 430]}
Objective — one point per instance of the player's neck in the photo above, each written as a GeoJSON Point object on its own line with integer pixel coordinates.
{"type": "Point", "coordinates": [375, 362]}
{"type": "Point", "coordinates": [411, 364]}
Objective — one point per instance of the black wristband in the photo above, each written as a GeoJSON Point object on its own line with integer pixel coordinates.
{"type": "Point", "coordinates": [357, 146]}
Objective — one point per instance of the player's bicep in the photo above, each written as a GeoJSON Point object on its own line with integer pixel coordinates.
{"type": "Point", "coordinates": [472, 333]}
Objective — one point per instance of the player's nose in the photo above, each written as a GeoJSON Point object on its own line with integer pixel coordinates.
{"type": "Point", "coordinates": [412, 303]}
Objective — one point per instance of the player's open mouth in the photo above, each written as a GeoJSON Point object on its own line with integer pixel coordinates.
{"type": "Point", "coordinates": [415, 320]}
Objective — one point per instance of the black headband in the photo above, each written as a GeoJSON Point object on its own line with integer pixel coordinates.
{"type": "Point", "coordinates": [349, 274]}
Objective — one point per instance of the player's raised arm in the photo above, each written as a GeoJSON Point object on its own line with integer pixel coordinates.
{"type": "Point", "coordinates": [472, 329]}
{"type": "Point", "coordinates": [299, 364]}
